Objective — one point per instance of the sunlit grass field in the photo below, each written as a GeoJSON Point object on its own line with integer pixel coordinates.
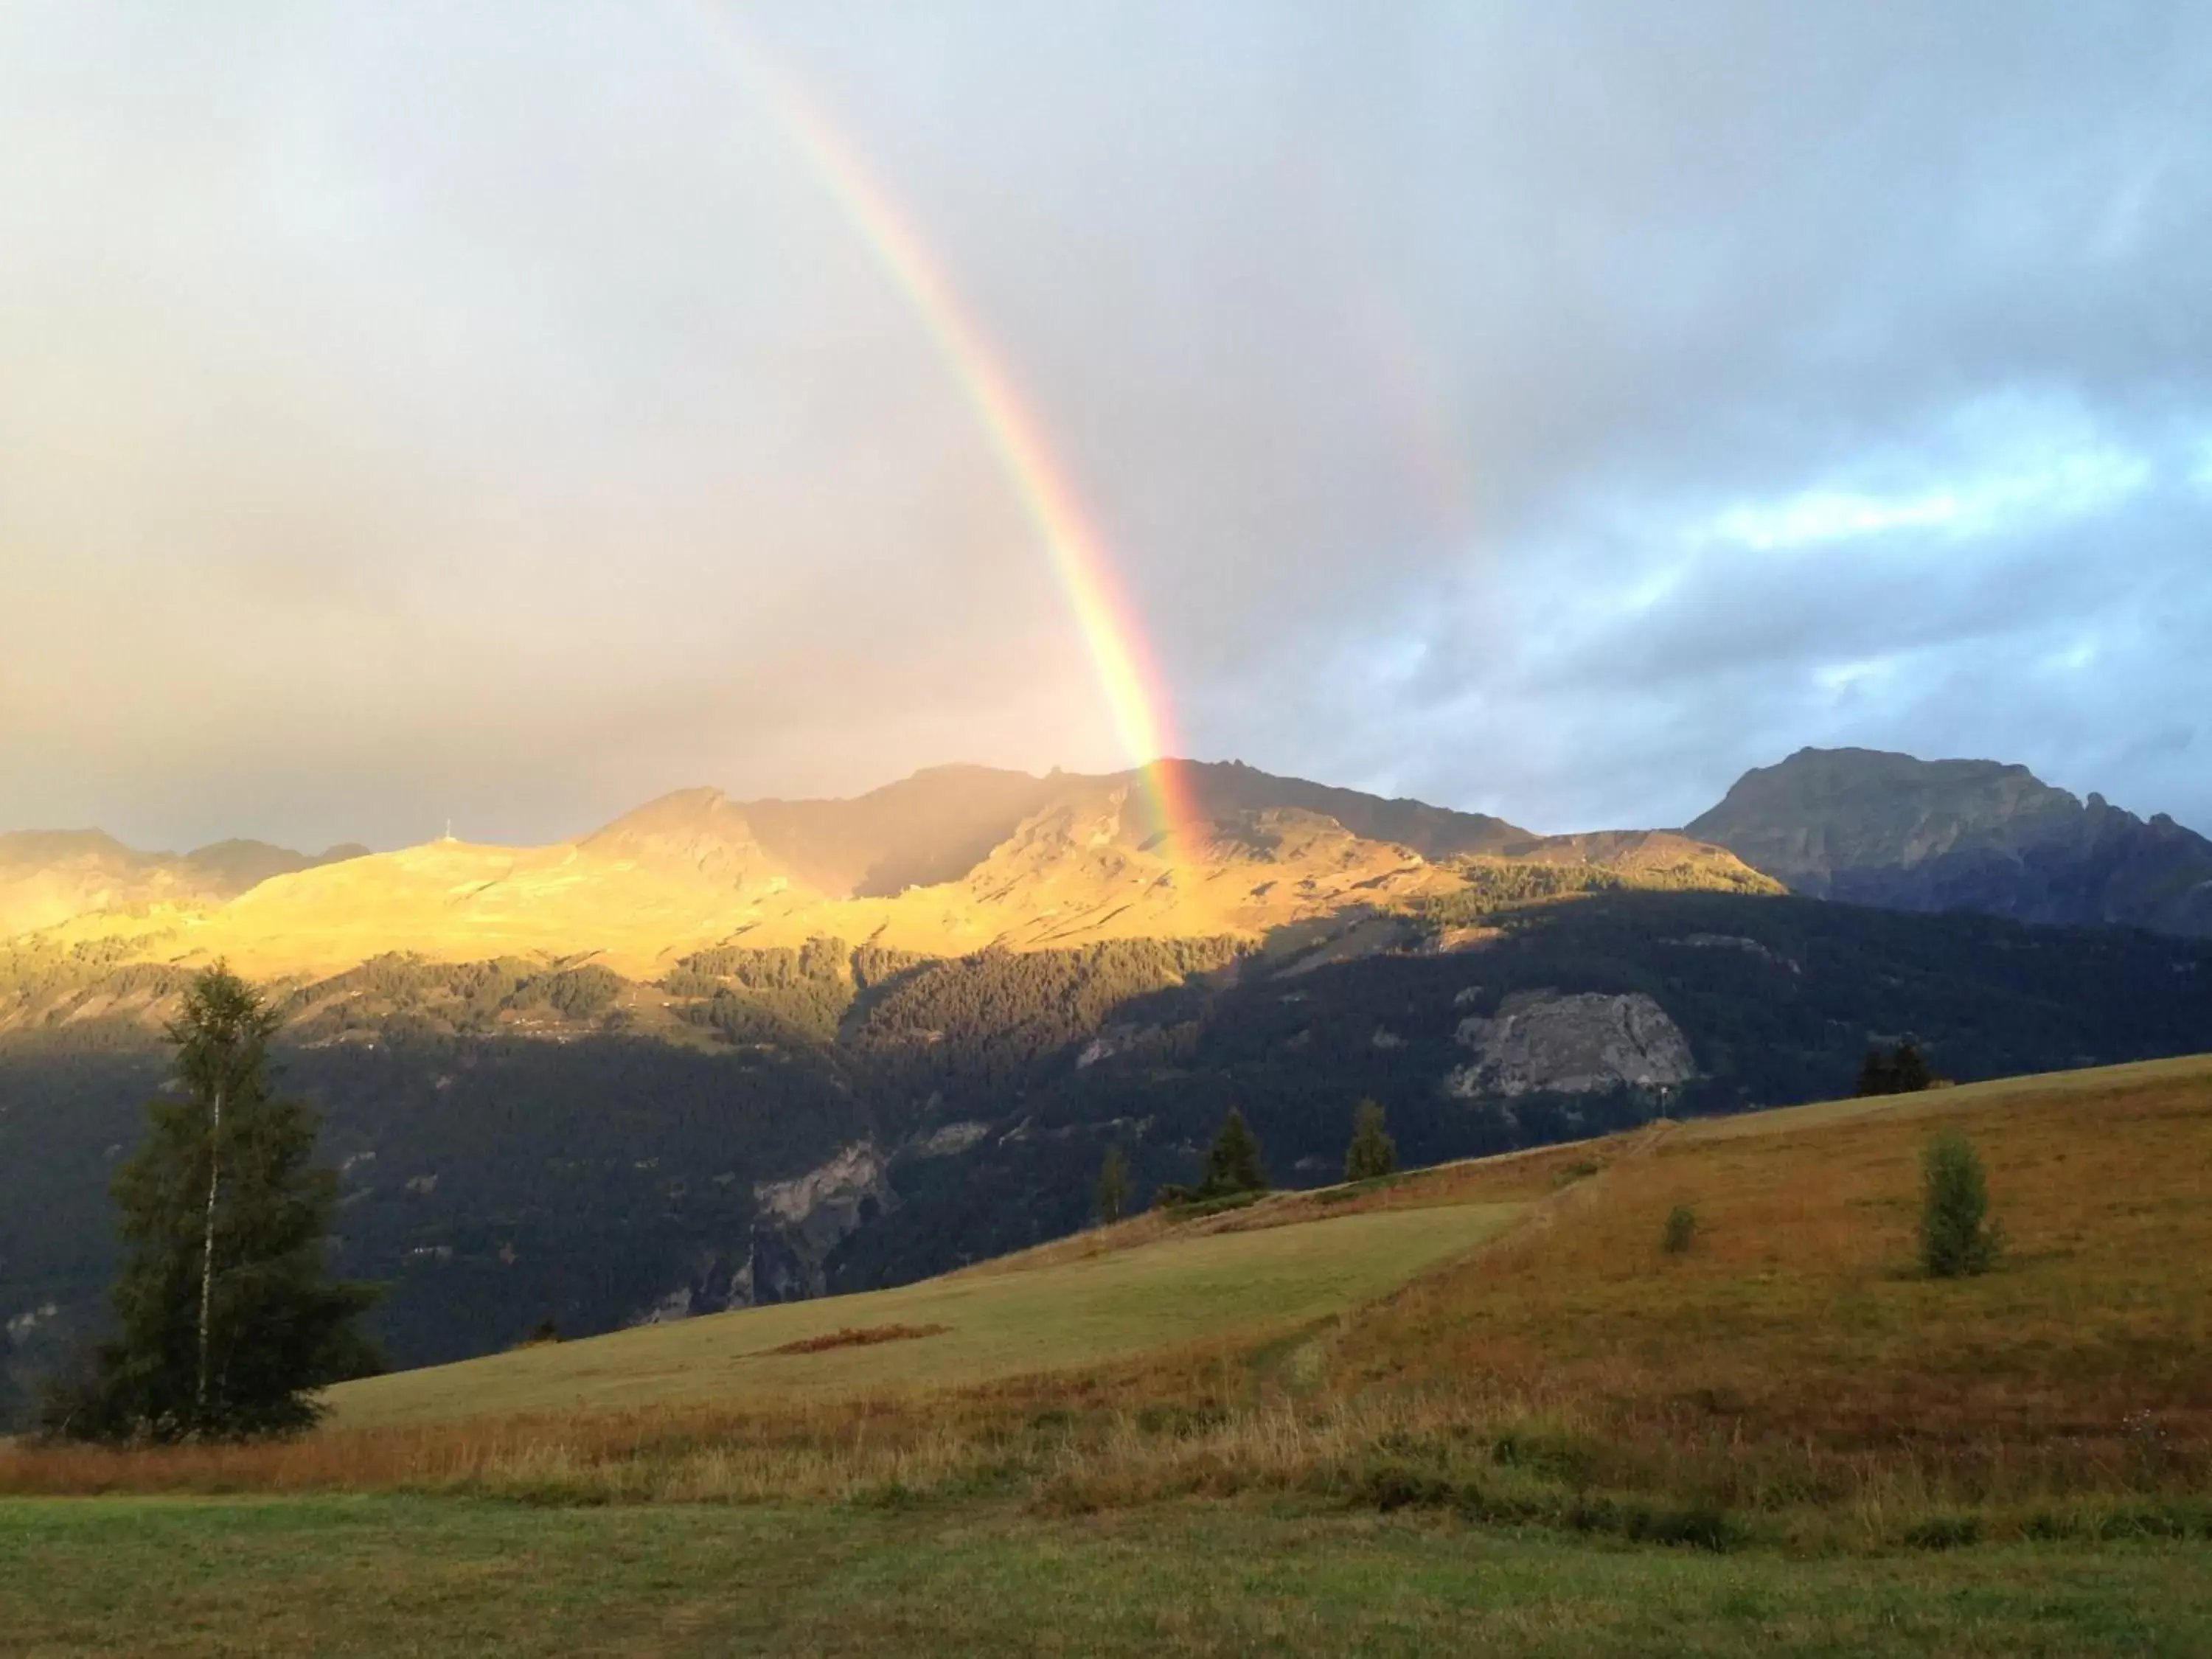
{"type": "Point", "coordinates": [1476, 1408]}
{"type": "Point", "coordinates": [1053, 1315]}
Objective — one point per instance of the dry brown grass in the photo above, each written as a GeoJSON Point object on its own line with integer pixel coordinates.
{"type": "Point", "coordinates": [837, 1448]}
{"type": "Point", "coordinates": [1797, 1319]}
{"type": "Point", "coordinates": [1790, 1365]}
{"type": "Point", "coordinates": [1512, 1177]}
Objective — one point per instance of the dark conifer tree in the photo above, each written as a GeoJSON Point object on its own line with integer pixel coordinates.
{"type": "Point", "coordinates": [228, 1320]}
{"type": "Point", "coordinates": [1113, 1186]}
{"type": "Point", "coordinates": [1908, 1069]}
{"type": "Point", "coordinates": [1233, 1162]}
{"type": "Point", "coordinates": [1877, 1073]}
{"type": "Point", "coordinates": [1899, 1071]}
{"type": "Point", "coordinates": [1372, 1152]}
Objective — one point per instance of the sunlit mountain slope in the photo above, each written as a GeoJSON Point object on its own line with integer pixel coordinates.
{"type": "Point", "coordinates": [948, 861]}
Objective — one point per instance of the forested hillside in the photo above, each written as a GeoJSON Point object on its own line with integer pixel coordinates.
{"type": "Point", "coordinates": [522, 1141]}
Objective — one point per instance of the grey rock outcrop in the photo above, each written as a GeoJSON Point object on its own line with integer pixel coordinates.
{"type": "Point", "coordinates": [800, 1221]}
{"type": "Point", "coordinates": [951, 1140]}
{"type": "Point", "coordinates": [1578, 1044]}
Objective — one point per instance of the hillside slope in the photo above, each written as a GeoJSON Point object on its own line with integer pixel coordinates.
{"type": "Point", "coordinates": [951, 860]}
{"type": "Point", "coordinates": [1796, 1282]}
{"type": "Point", "coordinates": [1055, 1315]}
{"type": "Point", "coordinates": [48, 876]}
{"type": "Point", "coordinates": [1507, 1341]}
{"type": "Point", "coordinates": [521, 1140]}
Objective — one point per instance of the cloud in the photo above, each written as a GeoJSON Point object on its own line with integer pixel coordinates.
{"type": "Point", "coordinates": [1550, 409]}
{"type": "Point", "coordinates": [2053, 470]}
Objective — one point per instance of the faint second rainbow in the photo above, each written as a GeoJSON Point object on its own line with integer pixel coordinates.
{"type": "Point", "coordinates": [1135, 691]}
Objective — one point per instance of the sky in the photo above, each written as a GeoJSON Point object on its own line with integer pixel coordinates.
{"type": "Point", "coordinates": [413, 413]}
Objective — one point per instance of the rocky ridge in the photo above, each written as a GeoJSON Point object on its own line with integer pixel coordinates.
{"type": "Point", "coordinates": [1867, 827]}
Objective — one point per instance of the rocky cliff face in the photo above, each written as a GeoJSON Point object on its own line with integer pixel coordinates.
{"type": "Point", "coordinates": [798, 1224]}
{"type": "Point", "coordinates": [1870, 828]}
{"type": "Point", "coordinates": [1572, 1044]}
{"type": "Point", "coordinates": [800, 1221]}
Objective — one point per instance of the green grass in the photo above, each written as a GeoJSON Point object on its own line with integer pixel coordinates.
{"type": "Point", "coordinates": [1204, 1457]}
{"type": "Point", "coordinates": [178, 1579]}
{"type": "Point", "coordinates": [2099, 1080]}
{"type": "Point", "coordinates": [1063, 1316]}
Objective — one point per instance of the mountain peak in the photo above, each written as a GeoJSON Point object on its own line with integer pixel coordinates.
{"type": "Point", "coordinates": [1874, 826]}
{"type": "Point", "coordinates": [696, 832]}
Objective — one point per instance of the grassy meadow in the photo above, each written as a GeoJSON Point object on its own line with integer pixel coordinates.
{"type": "Point", "coordinates": [1059, 1314]}
{"type": "Point", "coordinates": [1478, 1407]}
{"type": "Point", "coordinates": [172, 1578]}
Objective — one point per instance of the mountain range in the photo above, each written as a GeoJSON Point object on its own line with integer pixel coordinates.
{"type": "Point", "coordinates": [950, 860]}
{"type": "Point", "coordinates": [960, 858]}
{"type": "Point", "coordinates": [722, 1052]}
{"type": "Point", "coordinates": [48, 876]}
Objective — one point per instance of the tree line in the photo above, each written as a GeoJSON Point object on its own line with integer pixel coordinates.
{"type": "Point", "coordinates": [1234, 1168]}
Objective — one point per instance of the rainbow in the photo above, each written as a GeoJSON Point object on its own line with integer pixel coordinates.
{"type": "Point", "coordinates": [1129, 679]}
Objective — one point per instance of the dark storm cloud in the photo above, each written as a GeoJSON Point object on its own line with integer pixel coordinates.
{"type": "Point", "coordinates": [1549, 409]}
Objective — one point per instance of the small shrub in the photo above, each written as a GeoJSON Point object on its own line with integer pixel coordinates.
{"type": "Point", "coordinates": [1551, 1455]}
{"type": "Point", "coordinates": [1497, 1505]}
{"type": "Point", "coordinates": [1680, 1230]}
{"type": "Point", "coordinates": [1944, 1532]}
{"type": "Point", "coordinates": [1182, 1205]}
{"type": "Point", "coordinates": [2103, 1523]}
{"type": "Point", "coordinates": [1691, 1526]}
{"type": "Point", "coordinates": [1387, 1484]}
{"type": "Point", "coordinates": [1957, 1237]}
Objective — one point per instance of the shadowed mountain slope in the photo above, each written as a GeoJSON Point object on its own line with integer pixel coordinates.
{"type": "Point", "coordinates": [1221, 789]}
{"type": "Point", "coordinates": [922, 831]}
{"type": "Point", "coordinates": [1872, 828]}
